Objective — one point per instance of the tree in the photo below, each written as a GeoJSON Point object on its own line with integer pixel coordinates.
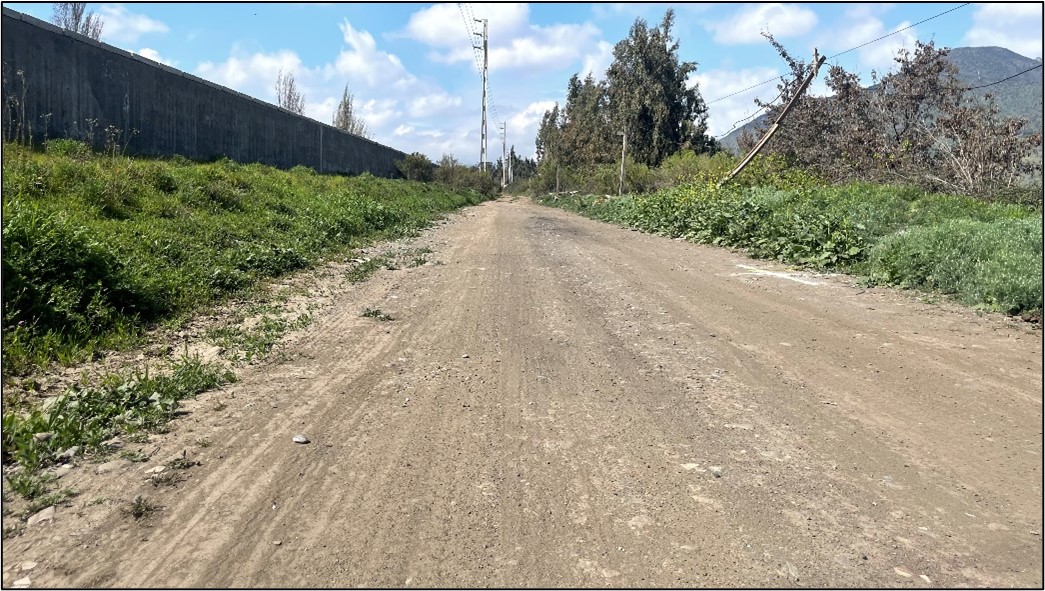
{"type": "Point", "coordinates": [346, 119]}
{"type": "Point", "coordinates": [586, 136]}
{"type": "Point", "coordinates": [417, 167]}
{"type": "Point", "coordinates": [547, 141]}
{"type": "Point", "coordinates": [915, 125]}
{"type": "Point", "coordinates": [74, 17]}
{"type": "Point", "coordinates": [287, 94]}
{"type": "Point", "coordinates": [649, 97]}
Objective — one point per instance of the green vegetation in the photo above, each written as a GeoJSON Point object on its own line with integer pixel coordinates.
{"type": "Point", "coordinates": [87, 416]}
{"type": "Point", "coordinates": [376, 313]}
{"type": "Point", "coordinates": [140, 508]}
{"type": "Point", "coordinates": [986, 255]}
{"type": "Point", "coordinates": [99, 247]}
{"type": "Point", "coordinates": [257, 341]}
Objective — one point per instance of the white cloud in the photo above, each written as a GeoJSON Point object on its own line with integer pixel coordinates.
{"type": "Point", "coordinates": [254, 74]}
{"type": "Point", "coordinates": [514, 42]}
{"type": "Point", "coordinates": [859, 26]}
{"type": "Point", "coordinates": [155, 56]}
{"type": "Point", "coordinates": [121, 26]}
{"type": "Point", "coordinates": [598, 61]}
{"type": "Point", "coordinates": [400, 109]}
{"type": "Point", "coordinates": [448, 25]}
{"type": "Point", "coordinates": [545, 47]}
{"type": "Point", "coordinates": [1016, 27]}
{"type": "Point", "coordinates": [523, 125]}
{"type": "Point", "coordinates": [378, 112]}
{"type": "Point", "coordinates": [323, 110]}
{"type": "Point", "coordinates": [433, 104]}
{"type": "Point", "coordinates": [722, 114]}
{"type": "Point", "coordinates": [363, 62]}
{"type": "Point", "coordinates": [782, 20]}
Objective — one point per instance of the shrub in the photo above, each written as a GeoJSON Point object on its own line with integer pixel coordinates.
{"type": "Point", "coordinates": [97, 249]}
{"type": "Point", "coordinates": [995, 265]}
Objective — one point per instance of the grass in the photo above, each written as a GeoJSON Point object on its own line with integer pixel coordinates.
{"type": "Point", "coordinates": [256, 342]}
{"type": "Point", "coordinates": [140, 508]}
{"type": "Point", "coordinates": [362, 271]}
{"type": "Point", "coordinates": [986, 255]}
{"type": "Point", "coordinates": [376, 313]}
{"type": "Point", "coordinates": [99, 248]}
{"type": "Point", "coordinates": [87, 416]}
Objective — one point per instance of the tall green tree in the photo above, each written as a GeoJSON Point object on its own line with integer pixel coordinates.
{"type": "Point", "coordinates": [649, 96]}
{"type": "Point", "coordinates": [547, 141]}
{"type": "Point", "coordinates": [346, 119]}
{"type": "Point", "coordinates": [587, 136]}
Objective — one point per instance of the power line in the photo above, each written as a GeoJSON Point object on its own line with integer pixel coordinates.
{"type": "Point", "coordinates": [844, 52]}
{"type": "Point", "coordinates": [770, 104]}
{"type": "Point", "coordinates": [960, 89]}
{"type": "Point", "coordinates": [471, 38]}
{"type": "Point", "coordinates": [898, 30]}
{"type": "Point", "coordinates": [1002, 80]}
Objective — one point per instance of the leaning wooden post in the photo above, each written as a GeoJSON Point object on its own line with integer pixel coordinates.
{"type": "Point", "coordinates": [817, 62]}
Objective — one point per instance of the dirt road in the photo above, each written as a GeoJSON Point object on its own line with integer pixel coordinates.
{"type": "Point", "coordinates": [566, 403]}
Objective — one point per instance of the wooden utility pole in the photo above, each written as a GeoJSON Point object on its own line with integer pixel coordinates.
{"type": "Point", "coordinates": [623, 149]}
{"type": "Point", "coordinates": [504, 154]}
{"type": "Point", "coordinates": [817, 62]}
{"type": "Point", "coordinates": [485, 48]}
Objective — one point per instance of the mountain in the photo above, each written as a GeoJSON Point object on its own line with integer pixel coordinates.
{"type": "Point", "coordinates": [977, 66]}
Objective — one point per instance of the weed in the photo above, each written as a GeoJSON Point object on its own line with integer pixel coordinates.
{"type": "Point", "coordinates": [99, 247]}
{"type": "Point", "coordinates": [986, 255]}
{"type": "Point", "coordinates": [182, 463]}
{"type": "Point", "coordinates": [29, 485]}
{"type": "Point", "coordinates": [364, 270]}
{"type": "Point", "coordinates": [376, 313]}
{"type": "Point", "coordinates": [137, 437]}
{"type": "Point", "coordinates": [203, 442]}
{"type": "Point", "coordinates": [140, 507]}
{"type": "Point", "coordinates": [166, 479]}
{"type": "Point", "coordinates": [123, 403]}
{"type": "Point", "coordinates": [134, 455]}
{"type": "Point", "coordinates": [51, 500]}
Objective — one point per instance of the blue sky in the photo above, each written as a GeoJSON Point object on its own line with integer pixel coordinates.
{"type": "Point", "coordinates": [415, 78]}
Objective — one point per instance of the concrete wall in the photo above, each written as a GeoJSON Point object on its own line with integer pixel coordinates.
{"type": "Point", "coordinates": [71, 80]}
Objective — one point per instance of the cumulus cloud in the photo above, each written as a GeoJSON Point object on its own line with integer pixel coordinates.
{"type": "Point", "coordinates": [722, 114]}
{"type": "Point", "coordinates": [363, 62]}
{"type": "Point", "coordinates": [860, 25]}
{"type": "Point", "coordinates": [122, 26]}
{"type": "Point", "coordinates": [432, 104]}
{"type": "Point", "coordinates": [517, 44]}
{"type": "Point", "coordinates": [322, 110]}
{"type": "Point", "coordinates": [400, 109]}
{"type": "Point", "coordinates": [379, 112]}
{"type": "Point", "coordinates": [782, 20]}
{"type": "Point", "coordinates": [523, 125]}
{"type": "Point", "coordinates": [598, 61]}
{"type": "Point", "coordinates": [155, 56]}
{"type": "Point", "coordinates": [1016, 27]}
{"type": "Point", "coordinates": [254, 74]}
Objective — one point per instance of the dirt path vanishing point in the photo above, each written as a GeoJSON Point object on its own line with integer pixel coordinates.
{"type": "Point", "coordinates": [563, 403]}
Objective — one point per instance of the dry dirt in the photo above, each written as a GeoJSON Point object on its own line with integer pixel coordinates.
{"type": "Point", "coordinates": [562, 403]}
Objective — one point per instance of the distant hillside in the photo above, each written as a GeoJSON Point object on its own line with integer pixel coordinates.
{"type": "Point", "coordinates": [1019, 97]}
